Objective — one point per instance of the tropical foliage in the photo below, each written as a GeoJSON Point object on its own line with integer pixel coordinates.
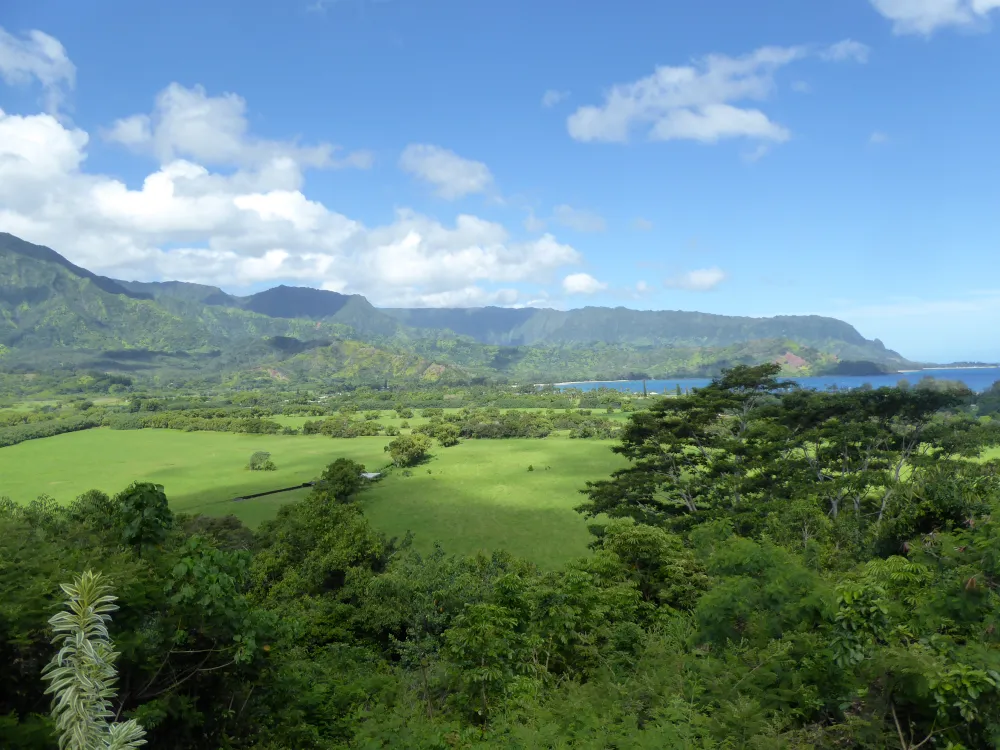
{"type": "Point", "coordinates": [775, 568]}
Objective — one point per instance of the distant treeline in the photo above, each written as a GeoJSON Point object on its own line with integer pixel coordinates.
{"type": "Point", "coordinates": [253, 412]}
{"type": "Point", "coordinates": [492, 423]}
{"type": "Point", "coordinates": [19, 433]}
{"type": "Point", "coordinates": [192, 423]}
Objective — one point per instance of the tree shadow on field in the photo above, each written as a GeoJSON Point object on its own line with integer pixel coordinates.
{"type": "Point", "coordinates": [422, 461]}
{"type": "Point", "coordinates": [465, 523]}
{"type": "Point", "coordinates": [222, 499]}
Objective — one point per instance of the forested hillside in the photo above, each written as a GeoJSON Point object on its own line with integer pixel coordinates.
{"type": "Point", "coordinates": [590, 325]}
{"type": "Point", "coordinates": [55, 314]}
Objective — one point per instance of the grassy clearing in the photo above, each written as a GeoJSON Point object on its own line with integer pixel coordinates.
{"type": "Point", "coordinates": [989, 454]}
{"type": "Point", "coordinates": [479, 495]}
{"type": "Point", "coordinates": [30, 405]}
{"type": "Point", "coordinates": [201, 471]}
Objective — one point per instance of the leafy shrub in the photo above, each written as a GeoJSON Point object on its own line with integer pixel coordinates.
{"type": "Point", "coordinates": [261, 461]}
{"type": "Point", "coordinates": [447, 435]}
{"type": "Point", "coordinates": [409, 450]}
{"type": "Point", "coordinates": [342, 426]}
{"type": "Point", "coordinates": [145, 515]}
{"type": "Point", "coordinates": [342, 479]}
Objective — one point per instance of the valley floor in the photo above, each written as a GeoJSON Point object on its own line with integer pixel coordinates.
{"type": "Point", "coordinates": [478, 495]}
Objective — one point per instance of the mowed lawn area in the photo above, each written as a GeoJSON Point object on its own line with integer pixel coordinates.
{"type": "Point", "coordinates": [477, 496]}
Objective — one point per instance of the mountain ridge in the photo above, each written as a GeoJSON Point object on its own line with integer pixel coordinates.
{"type": "Point", "coordinates": [590, 324]}
{"type": "Point", "coordinates": [49, 305]}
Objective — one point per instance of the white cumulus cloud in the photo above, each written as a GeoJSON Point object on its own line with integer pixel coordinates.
{"type": "Point", "coordinates": [699, 280]}
{"type": "Point", "coordinates": [248, 224]}
{"type": "Point", "coordinates": [37, 57]}
{"type": "Point", "coordinates": [213, 130]}
{"type": "Point", "coordinates": [452, 176]}
{"type": "Point", "coordinates": [926, 16]}
{"type": "Point", "coordinates": [582, 283]}
{"type": "Point", "coordinates": [705, 101]}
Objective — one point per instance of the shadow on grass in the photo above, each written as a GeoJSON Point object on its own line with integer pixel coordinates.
{"type": "Point", "coordinates": [466, 523]}
{"type": "Point", "coordinates": [463, 522]}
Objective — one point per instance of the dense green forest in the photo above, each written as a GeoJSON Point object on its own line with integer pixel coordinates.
{"type": "Point", "coordinates": [775, 567]}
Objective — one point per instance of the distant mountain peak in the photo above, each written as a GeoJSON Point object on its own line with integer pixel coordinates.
{"type": "Point", "coordinates": [296, 302]}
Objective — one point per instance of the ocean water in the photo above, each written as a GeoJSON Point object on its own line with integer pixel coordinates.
{"type": "Point", "coordinates": [978, 379]}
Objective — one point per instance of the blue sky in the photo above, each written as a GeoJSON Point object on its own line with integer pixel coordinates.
{"type": "Point", "coordinates": [833, 157]}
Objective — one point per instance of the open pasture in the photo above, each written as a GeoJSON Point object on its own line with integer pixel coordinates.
{"type": "Point", "coordinates": [478, 495]}
{"type": "Point", "coordinates": [200, 471]}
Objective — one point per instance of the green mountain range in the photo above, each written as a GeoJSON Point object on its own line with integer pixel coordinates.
{"type": "Point", "coordinates": [56, 314]}
{"type": "Point", "coordinates": [657, 328]}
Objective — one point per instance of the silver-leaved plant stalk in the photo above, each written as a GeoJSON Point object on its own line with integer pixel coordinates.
{"type": "Point", "coordinates": [82, 674]}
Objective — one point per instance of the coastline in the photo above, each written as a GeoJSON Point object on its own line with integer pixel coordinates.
{"type": "Point", "coordinates": [898, 372]}
{"type": "Point", "coordinates": [966, 367]}
{"type": "Point", "coordinates": [586, 382]}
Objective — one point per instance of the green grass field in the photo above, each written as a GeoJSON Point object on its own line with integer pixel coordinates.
{"type": "Point", "coordinates": [479, 495]}
{"type": "Point", "coordinates": [200, 471]}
